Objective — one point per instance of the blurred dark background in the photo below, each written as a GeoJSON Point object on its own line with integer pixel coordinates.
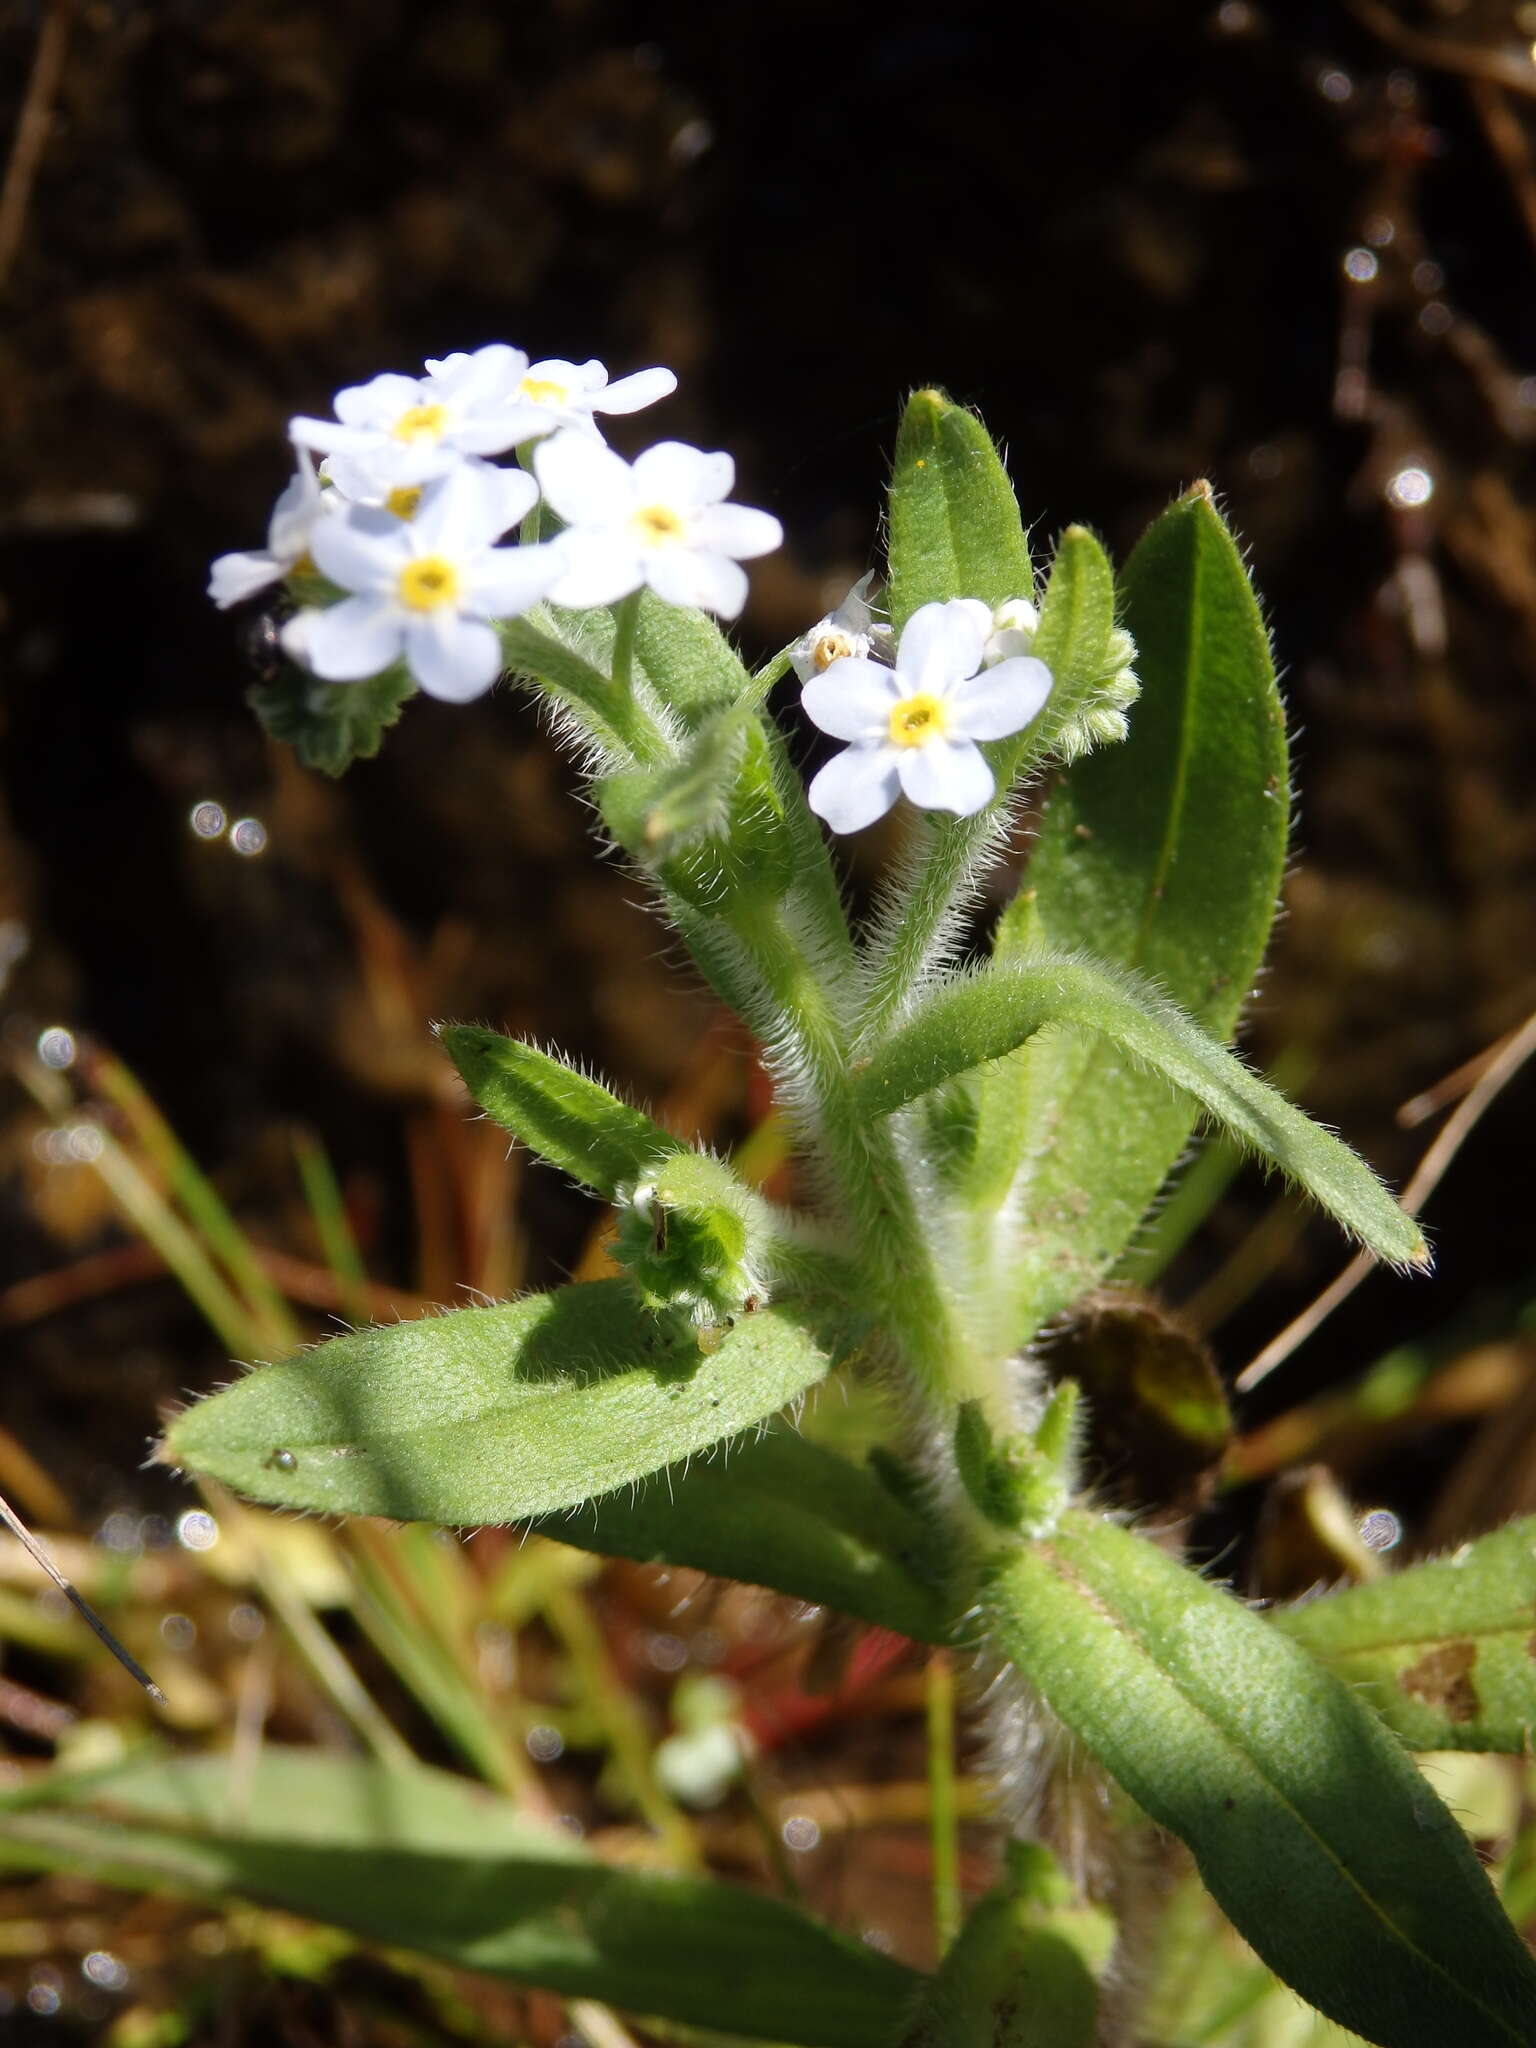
{"type": "Point", "coordinates": [1286, 247]}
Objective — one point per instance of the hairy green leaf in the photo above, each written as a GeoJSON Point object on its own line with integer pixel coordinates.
{"type": "Point", "coordinates": [987, 1014]}
{"type": "Point", "coordinates": [691, 664]}
{"type": "Point", "coordinates": [1313, 1829]}
{"type": "Point", "coordinates": [955, 529]}
{"type": "Point", "coordinates": [420, 1860]}
{"type": "Point", "coordinates": [493, 1414]}
{"type": "Point", "coordinates": [778, 1511]}
{"type": "Point", "coordinates": [567, 1119]}
{"type": "Point", "coordinates": [1444, 1651]}
{"type": "Point", "coordinates": [331, 725]}
{"type": "Point", "coordinates": [1164, 855]}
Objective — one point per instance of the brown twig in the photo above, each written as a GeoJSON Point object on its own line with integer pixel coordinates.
{"type": "Point", "coordinates": [32, 129]}
{"type": "Point", "coordinates": [1497, 67]}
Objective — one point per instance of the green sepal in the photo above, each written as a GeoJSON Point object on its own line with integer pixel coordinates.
{"type": "Point", "coordinates": [1444, 1651]}
{"type": "Point", "coordinates": [494, 1414]}
{"type": "Point", "coordinates": [331, 725]}
{"type": "Point", "coordinates": [1024, 1970]}
{"type": "Point", "coordinates": [571, 1121]}
{"type": "Point", "coordinates": [1163, 855]}
{"type": "Point", "coordinates": [711, 825]}
{"type": "Point", "coordinates": [955, 527]}
{"type": "Point", "coordinates": [1314, 1830]}
{"type": "Point", "coordinates": [687, 1241]}
{"type": "Point", "coordinates": [691, 665]}
{"type": "Point", "coordinates": [774, 1510]}
{"type": "Point", "coordinates": [416, 1859]}
{"type": "Point", "coordinates": [1021, 1483]}
{"type": "Point", "coordinates": [988, 1013]}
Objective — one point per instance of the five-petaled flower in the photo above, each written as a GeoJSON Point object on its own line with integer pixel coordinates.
{"type": "Point", "coordinates": [294, 516]}
{"type": "Point", "coordinates": [658, 521]}
{"type": "Point", "coordinates": [914, 727]}
{"type": "Point", "coordinates": [406, 430]}
{"type": "Point", "coordinates": [425, 587]}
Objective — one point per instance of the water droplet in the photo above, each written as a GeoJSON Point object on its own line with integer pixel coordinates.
{"type": "Point", "coordinates": [1380, 1529]}
{"type": "Point", "coordinates": [544, 1743]}
{"type": "Point", "coordinates": [1427, 276]}
{"type": "Point", "coordinates": [246, 1622]}
{"type": "Point", "coordinates": [282, 1461]}
{"type": "Point", "coordinates": [800, 1833]}
{"type": "Point", "coordinates": [107, 1971]}
{"type": "Point", "coordinates": [1335, 85]}
{"type": "Point", "coordinates": [248, 836]}
{"type": "Point", "coordinates": [1437, 318]}
{"type": "Point", "coordinates": [666, 1652]}
{"type": "Point", "coordinates": [1360, 265]}
{"type": "Point", "coordinates": [207, 819]}
{"type": "Point", "coordinates": [1380, 230]}
{"type": "Point", "coordinates": [83, 1142]}
{"type": "Point", "coordinates": [56, 1047]}
{"type": "Point", "coordinates": [178, 1631]}
{"type": "Point", "coordinates": [1410, 486]}
{"type": "Point", "coordinates": [197, 1530]}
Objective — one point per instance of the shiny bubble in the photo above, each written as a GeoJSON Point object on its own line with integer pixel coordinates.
{"type": "Point", "coordinates": [248, 836]}
{"type": "Point", "coordinates": [56, 1047]}
{"type": "Point", "coordinates": [1360, 265]}
{"type": "Point", "coordinates": [44, 2000]}
{"type": "Point", "coordinates": [178, 1631]}
{"type": "Point", "coordinates": [544, 1743]}
{"type": "Point", "coordinates": [800, 1833]}
{"type": "Point", "coordinates": [571, 1824]}
{"type": "Point", "coordinates": [1380, 230]}
{"type": "Point", "coordinates": [246, 1622]}
{"type": "Point", "coordinates": [120, 1532]}
{"type": "Point", "coordinates": [1236, 17]}
{"type": "Point", "coordinates": [105, 1970]}
{"type": "Point", "coordinates": [83, 1142]}
{"type": "Point", "coordinates": [1437, 318]}
{"type": "Point", "coordinates": [1335, 85]}
{"type": "Point", "coordinates": [197, 1530]}
{"type": "Point", "coordinates": [207, 819]}
{"type": "Point", "coordinates": [52, 1147]}
{"type": "Point", "coordinates": [1266, 461]}
{"type": "Point", "coordinates": [1427, 276]}
{"type": "Point", "coordinates": [1411, 486]}
{"type": "Point", "coordinates": [666, 1652]}
{"type": "Point", "coordinates": [155, 1532]}
{"type": "Point", "coordinates": [691, 141]}
{"type": "Point", "coordinates": [1380, 1529]}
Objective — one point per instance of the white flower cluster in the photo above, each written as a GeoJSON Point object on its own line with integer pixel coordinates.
{"type": "Point", "coordinates": [407, 515]}
{"type": "Point", "coordinates": [962, 672]}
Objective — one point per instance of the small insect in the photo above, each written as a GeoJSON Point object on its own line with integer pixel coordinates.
{"type": "Point", "coordinates": [261, 642]}
{"type": "Point", "coordinates": [280, 1461]}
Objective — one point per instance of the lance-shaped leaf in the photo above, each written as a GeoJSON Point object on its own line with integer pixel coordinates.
{"type": "Point", "coordinates": [493, 1414]}
{"type": "Point", "coordinates": [1444, 1651]}
{"type": "Point", "coordinates": [690, 663]}
{"type": "Point", "coordinates": [989, 1013]}
{"type": "Point", "coordinates": [1164, 855]}
{"type": "Point", "coordinates": [1312, 1827]}
{"type": "Point", "coordinates": [566, 1118]}
{"type": "Point", "coordinates": [778, 1511]}
{"type": "Point", "coordinates": [955, 528]}
{"type": "Point", "coordinates": [417, 1859]}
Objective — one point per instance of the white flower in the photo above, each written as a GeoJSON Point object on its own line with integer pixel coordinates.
{"type": "Point", "coordinates": [406, 430]}
{"type": "Point", "coordinates": [1010, 627]}
{"type": "Point", "coordinates": [504, 492]}
{"type": "Point", "coordinates": [233, 577]}
{"type": "Point", "coordinates": [914, 728]}
{"type": "Point", "coordinates": [658, 521]}
{"type": "Point", "coordinates": [851, 629]}
{"type": "Point", "coordinates": [426, 587]}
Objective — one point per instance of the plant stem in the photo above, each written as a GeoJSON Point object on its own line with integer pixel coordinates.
{"type": "Point", "coordinates": [943, 1819]}
{"type": "Point", "coordinates": [626, 621]}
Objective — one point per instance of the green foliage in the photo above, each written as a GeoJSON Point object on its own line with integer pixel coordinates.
{"type": "Point", "coordinates": [492, 1414]}
{"type": "Point", "coordinates": [989, 1013]}
{"type": "Point", "coordinates": [1445, 1651]}
{"type": "Point", "coordinates": [416, 1859]}
{"type": "Point", "coordinates": [1164, 856]}
{"type": "Point", "coordinates": [331, 725]}
{"type": "Point", "coordinates": [1313, 1830]}
{"type": "Point", "coordinates": [557, 1112]}
{"type": "Point", "coordinates": [690, 663]}
{"type": "Point", "coordinates": [779, 1511]}
{"type": "Point", "coordinates": [955, 527]}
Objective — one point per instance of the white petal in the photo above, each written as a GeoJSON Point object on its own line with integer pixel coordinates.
{"type": "Point", "coordinates": [947, 775]}
{"type": "Point", "coordinates": [631, 393]}
{"type": "Point", "coordinates": [295, 513]}
{"type": "Point", "coordinates": [585, 482]}
{"type": "Point", "coordinates": [673, 473]}
{"type": "Point", "coordinates": [737, 530]}
{"type": "Point", "coordinates": [1000, 700]}
{"type": "Point", "coordinates": [975, 609]}
{"type": "Point", "coordinates": [233, 577]}
{"type": "Point", "coordinates": [361, 548]}
{"type": "Point", "coordinates": [684, 575]}
{"type": "Point", "coordinates": [598, 568]}
{"type": "Point", "coordinates": [379, 402]}
{"type": "Point", "coordinates": [481, 377]}
{"type": "Point", "coordinates": [356, 638]}
{"type": "Point", "coordinates": [453, 657]}
{"type": "Point", "coordinates": [458, 513]}
{"type": "Point", "coordinates": [509, 493]}
{"type": "Point", "coordinates": [940, 644]}
{"type": "Point", "coordinates": [853, 615]}
{"type": "Point", "coordinates": [326, 436]}
{"type": "Point", "coordinates": [492, 430]}
{"type": "Point", "coordinates": [852, 699]}
{"type": "Point", "coordinates": [857, 786]}
{"type": "Point", "coordinates": [504, 582]}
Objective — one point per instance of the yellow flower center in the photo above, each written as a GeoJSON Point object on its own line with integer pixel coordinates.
{"type": "Point", "coordinates": [544, 391]}
{"type": "Point", "coordinates": [829, 648]}
{"type": "Point", "coordinates": [916, 720]}
{"type": "Point", "coordinates": [658, 524]}
{"type": "Point", "coordinates": [403, 500]}
{"type": "Point", "coordinates": [427, 583]}
{"type": "Point", "coordinates": [303, 565]}
{"type": "Point", "coordinates": [421, 423]}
